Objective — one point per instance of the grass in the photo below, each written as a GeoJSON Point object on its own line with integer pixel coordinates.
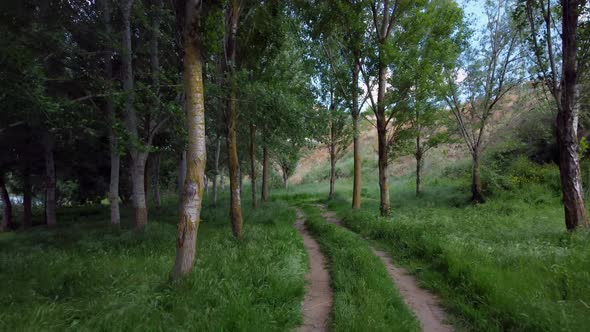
{"type": "Point", "coordinates": [508, 264]}
{"type": "Point", "coordinates": [364, 296]}
{"type": "Point", "coordinates": [85, 275]}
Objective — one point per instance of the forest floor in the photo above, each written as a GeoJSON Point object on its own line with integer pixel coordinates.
{"type": "Point", "coordinates": [507, 264]}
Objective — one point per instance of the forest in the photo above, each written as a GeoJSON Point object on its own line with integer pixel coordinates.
{"type": "Point", "coordinates": [308, 165]}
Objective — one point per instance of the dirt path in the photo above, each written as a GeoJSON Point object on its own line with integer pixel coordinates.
{"type": "Point", "coordinates": [318, 295]}
{"type": "Point", "coordinates": [424, 304]}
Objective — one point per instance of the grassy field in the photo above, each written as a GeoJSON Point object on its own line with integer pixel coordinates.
{"type": "Point", "coordinates": [508, 264]}
{"type": "Point", "coordinates": [86, 276]}
{"type": "Point", "coordinates": [364, 296]}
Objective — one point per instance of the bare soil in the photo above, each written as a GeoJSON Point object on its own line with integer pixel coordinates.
{"type": "Point", "coordinates": [317, 303]}
{"type": "Point", "coordinates": [423, 303]}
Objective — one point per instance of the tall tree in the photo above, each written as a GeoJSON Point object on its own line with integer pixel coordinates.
{"type": "Point", "coordinates": [431, 47]}
{"type": "Point", "coordinates": [189, 16]}
{"type": "Point", "coordinates": [111, 115]}
{"type": "Point", "coordinates": [384, 14]}
{"type": "Point", "coordinates": [232, 16]}
{"type": "Point", "coordinates": [562, 81]}
{"type": "Point", "coordinates": [139, 145]}
{"type": "Point", "coordinates": [491, 70]}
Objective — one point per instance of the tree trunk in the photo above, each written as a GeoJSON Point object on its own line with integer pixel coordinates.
{"type": "Point", "coordinates": [157, 197]}
{"type": "Point", "coordinates": [382, 141]}
{"type": "Point", "coordinates": [264, 190]}
{"type": "Point", "coordinates": [6, 206]}
{"type": "Point", "coordinates": [138, 158]}
{"type": "Point", "coordinates": [138, 190]}
{"type": "Point", "coordinates": [50, 200]}
{"type": "Point", "coordinates": [332, 161]}
{"type": "Point", "coordinates": [195, 106]}
{"type": "Point", "coordinates": [181, 177]}
{"type": "Point", "coordinates": [232, 16]}
{"type": "Point", "coordinates": [110, 112]}
{"type": "Point", "coordinates": [253, 164]}
{"type": "Point", "coordinates": [27, 199]}
{"type": "Point", "coordinates": [569, 166]}
{"type": "Point", "coordinates": [356, 182]}
{"type": "Point", "coordinates": [216, 171]}
{"type": "Point", "coordinates": [146, 178]}
{"type": "Point", "coordinates": [383, 168]}
{"type": "Point", "coordinates": [476, 188]}
{"type": "Point", "coordinates": [285, 179]}
{"type": "Point", "coordinates": [155, 72]}
{"type": "Point", "coordinates": [418, 166]}
{"type": "Point", "coordinates": [234, 181]}
{"type": "Point", "coordinates": [115, 162]}
{"type": "Point", "coordinates": [221, 181]}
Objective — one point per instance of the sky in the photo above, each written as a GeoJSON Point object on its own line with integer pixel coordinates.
{"type": "Point", "coordinates": [475, 9]}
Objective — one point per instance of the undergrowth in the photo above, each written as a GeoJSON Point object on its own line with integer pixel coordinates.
{"type": "Point", "coordinates": [85, 275]}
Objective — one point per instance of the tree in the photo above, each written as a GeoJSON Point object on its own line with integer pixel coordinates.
{"type": "Point", "coordinates": [232, 15]}
{"type": "Point", "coordinates": [110, 112]}
{"type": "Point", "coordinates": [189, 16]}
{"type": "Point", "coordinates": [422, 56]}
{"type": "Point", "coordinates": [139, 145]}
{"type": "Point", "coordinates": [491, 72]}
{"type": "Point", "coordinates": [563, 85]}
{"type": "Point", "coordinates": [344, 23]}
{"type": "Point", "coordinates": [6, 206]}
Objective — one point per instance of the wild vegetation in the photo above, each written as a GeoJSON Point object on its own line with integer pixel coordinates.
{"type": "Point", "coordinates": [154, 155]}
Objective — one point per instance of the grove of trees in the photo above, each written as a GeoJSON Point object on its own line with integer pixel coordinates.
{"type": "Point", "coordinates": [112, 99]}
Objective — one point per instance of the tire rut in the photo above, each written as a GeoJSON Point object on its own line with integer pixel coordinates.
{"type": "Point", "coordinates": [423, 303]}
{"type": "Point", "coordinates": [317, 303]}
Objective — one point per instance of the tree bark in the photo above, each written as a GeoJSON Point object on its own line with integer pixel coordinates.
{"type": "Point", "coordinates": [232, 16]}
{"type": "Point", "coordinates": [569, 166]}
{"type": "Point", "coordinates": [50, 199]}
{"type": "Point", "coordinates": [216, 171]}
{"type": "Point", "coordinates": [146, 178]}
{"type": "Point", "coordinates": [181, 177]}
{"type": "Point", "coordinates": [27, 199]}
{"type": "Point", "coordinates": [6, 206]}
{"type": "Point", "coordinates": [383, 168]}
{"type": "Point", "coordinates": [418, 166]}
{"type": "Point", "coordinates": [157, 197]}
{"type": "Point", "coordinates": [356, 182]}
{"type": "Point", "coordinates": [332, 160]}
{"type": "Point", "coordinates": [110, 112]}
{"type": "Point", "coordinates": [264, 190]}
{"type": "Point", "coordinates": [285, 179]}
{"type": "Point", "coordinates": [138, 190]}
{"type": "Point", "coordinates": [253, 164]}
{"type": "Point", "coordinates": [190, 213]}
{"type": "Point", "coordinates": [382, 141]}
{"type": "Point", "coordinates": [476, 187]}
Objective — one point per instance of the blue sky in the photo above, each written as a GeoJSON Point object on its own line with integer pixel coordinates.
{"type": "Point", "coordinates": [474, 9]}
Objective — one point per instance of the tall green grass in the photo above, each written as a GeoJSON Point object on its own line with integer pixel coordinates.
{"type": "Point", "coordinates": [508, 264]}
{"type": "Point", "coordinates": [85, 275]}
{"type": "Point", "coordinates": [364, 296]}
